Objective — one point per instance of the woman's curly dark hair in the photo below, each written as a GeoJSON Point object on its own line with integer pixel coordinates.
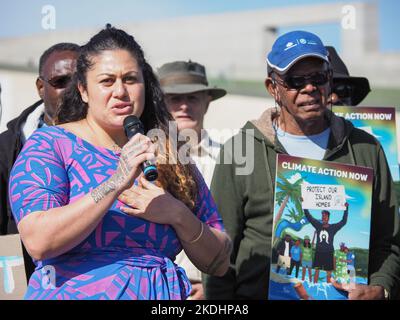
{"type": "Point", "coordinates": [155, 115]}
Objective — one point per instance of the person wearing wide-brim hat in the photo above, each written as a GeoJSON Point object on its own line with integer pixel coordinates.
{"type": "Point", "coordinates": [181, 77]}
{"type": "Point", "coordinates": [187, 96]}
{"type": "Point", "coordinates": [347, 90]}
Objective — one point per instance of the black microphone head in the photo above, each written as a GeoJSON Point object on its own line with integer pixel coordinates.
{"type": "Point", "coordinates": [132, 125]}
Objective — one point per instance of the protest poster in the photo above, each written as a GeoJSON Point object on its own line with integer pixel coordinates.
{"type": "Point", "coordinates": [12, 270]}
{"type": "Point", "coordinates": [321, 232]}
{"type": "Point", "coordinates": [379, 122]}
{"type": "Point", "coordinates": [323, 196]}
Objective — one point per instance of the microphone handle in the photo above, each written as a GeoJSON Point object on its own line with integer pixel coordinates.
{"type": "Point", "coordinates": [150, 170]}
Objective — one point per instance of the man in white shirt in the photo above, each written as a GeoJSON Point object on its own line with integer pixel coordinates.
{"type": "Point", "coordinates": [187, 96]}
{"type": "Point", "coordinates": [284, 249]}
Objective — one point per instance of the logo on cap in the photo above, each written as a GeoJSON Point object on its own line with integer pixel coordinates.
{"type": "Point", "coordinates": [293, 46]}
{"type": "Point", "coordinates": [290, 45]}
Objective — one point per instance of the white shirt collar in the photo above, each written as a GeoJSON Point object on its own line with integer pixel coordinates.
{"type": "Point", "coordinates": [32, 122]}
{"type": "Point", "coordinates": [206, 147]}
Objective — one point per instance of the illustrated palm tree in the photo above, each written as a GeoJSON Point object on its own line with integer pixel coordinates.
{"type": "Point", "coordinates": [294, 215]}
{"type": "Point", "coordinates": [287, 192]}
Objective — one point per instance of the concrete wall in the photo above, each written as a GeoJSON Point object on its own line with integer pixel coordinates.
{"type": "Point", "coordinates": [235, 44]}
{"type": "Point", "coordinates": [18, 91]}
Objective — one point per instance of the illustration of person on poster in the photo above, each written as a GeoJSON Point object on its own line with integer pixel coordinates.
{"type": "Point", "coordinates": [340, 258]}
{"type": "Point", "coordinates": [296, 256]}
{"type": "Point", "coordinates": [350, 259]}
{"type": "Point", "coordinates": [284, 249]}
{"type": "Point", "coordinates": [324, 252]}
{"type": "Point", "coordinates": [307, 260]}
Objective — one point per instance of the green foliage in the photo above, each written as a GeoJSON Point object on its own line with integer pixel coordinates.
{"type": "Point", "coordinates": [361, 261]}
{"type": "Point", "coordinates": [293, 191]}
{"type": "Point", "coordinates": [253, 88]}
{"type": "Point", "coordinates": [388, 97]}
{"type": "Point", "coordinates": [294, 215]}
{"type": "Point", "coordinates": [280, 197]}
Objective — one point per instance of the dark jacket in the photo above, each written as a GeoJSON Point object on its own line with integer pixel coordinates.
{"type": "Point", "coordinates": [246, 204]}
{"type": "Point", "coordinates": [10, 147]}
{"type": "Point", "coordinates": [281, 247]}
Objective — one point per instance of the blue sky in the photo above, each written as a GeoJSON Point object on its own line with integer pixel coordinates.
{"type": "Point", "coordinates": [19, 18]}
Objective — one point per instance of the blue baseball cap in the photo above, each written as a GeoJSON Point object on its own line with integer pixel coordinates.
{"type": "Point", "coordinates": [294, 46]}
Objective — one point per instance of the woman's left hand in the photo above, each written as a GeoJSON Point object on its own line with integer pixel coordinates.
{"type": "Point", "coordinates": [150, 202]}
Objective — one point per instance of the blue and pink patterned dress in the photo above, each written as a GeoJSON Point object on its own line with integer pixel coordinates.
{"type": "Point", "coordinates": [124, 257]}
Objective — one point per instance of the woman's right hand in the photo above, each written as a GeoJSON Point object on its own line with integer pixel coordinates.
{"type": "Point", "coordinates": [133, 154]}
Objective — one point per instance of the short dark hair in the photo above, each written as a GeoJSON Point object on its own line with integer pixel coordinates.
{"type": "Point", "coordinates": [58, 47]}
{"type": "Point", "coordinates": [269, 70]}
{"type": "Point", "coordinates": [326, 212]}
{"type": "Point", "coordinates": [73, 108]}
{"type": "Point", "coordinates": [307, 245]}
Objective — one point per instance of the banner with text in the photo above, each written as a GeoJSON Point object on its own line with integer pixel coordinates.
{"type": "Point", "coordinates": [379, 122]}
{"type": "Point", "coordinates": [321, 229]}
{"type": "Point", "coordinates": [322, 196]}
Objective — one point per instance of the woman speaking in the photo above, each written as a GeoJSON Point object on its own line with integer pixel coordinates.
{"type": "Point", "coordinates": [95, 227]}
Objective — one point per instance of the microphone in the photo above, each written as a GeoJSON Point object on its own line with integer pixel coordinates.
{"type": "Point", "coordinates": [133, 125]}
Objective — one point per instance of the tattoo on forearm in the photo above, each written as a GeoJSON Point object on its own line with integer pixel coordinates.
{"type": "Point", "coordinates": [113, 183]}
{"type": "Point", "coordinates": [219, 259]}
{"type": "Point", "coordinates": [102, 190]}
{"type": "Point", "coordinates": [124, 167]}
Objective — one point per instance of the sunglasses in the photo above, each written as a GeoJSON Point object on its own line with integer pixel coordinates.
{"type": "Point", "coordinates": [298, 82]}
{"type": "Point", "coordinates": [58, 82]}
{"type": "Point", "coordinates": [343, 90]}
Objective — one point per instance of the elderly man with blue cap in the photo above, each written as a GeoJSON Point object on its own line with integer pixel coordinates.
{"type": "Point", "coordinates": [301, 124]}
